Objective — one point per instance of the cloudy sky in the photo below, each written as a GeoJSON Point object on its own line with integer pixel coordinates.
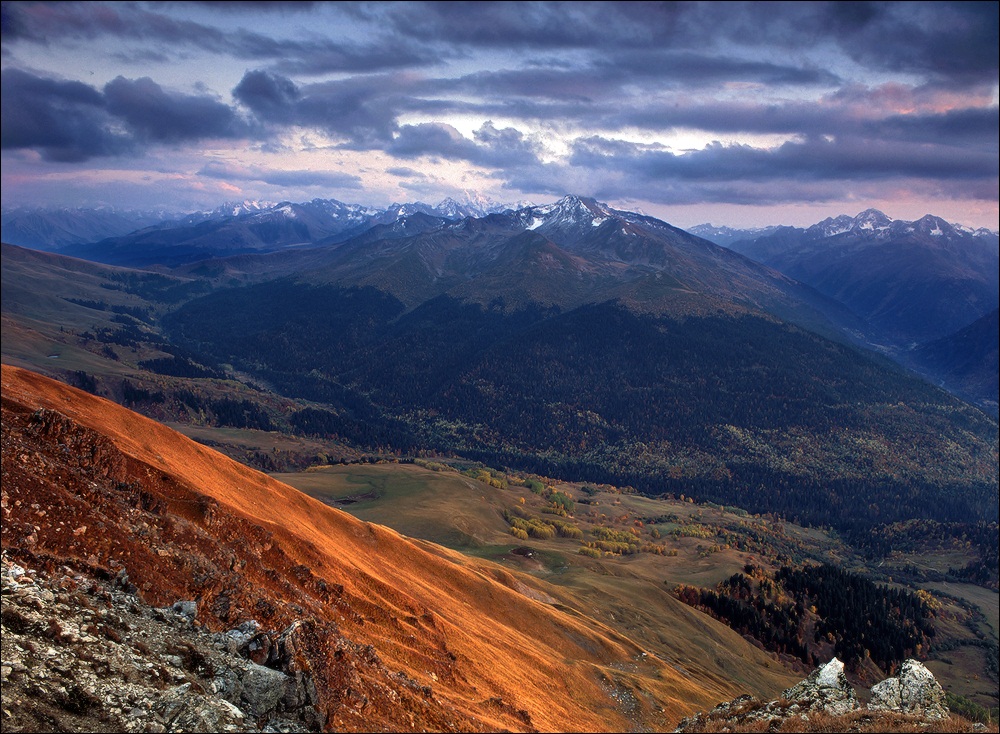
{"type": "Point", "coordinates": [732, 113]}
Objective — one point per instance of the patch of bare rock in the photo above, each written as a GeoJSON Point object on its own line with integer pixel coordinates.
{"type": "Point", "coordinates": [79, 654]}
{"type": "Point", "coordinates": [826, 701]}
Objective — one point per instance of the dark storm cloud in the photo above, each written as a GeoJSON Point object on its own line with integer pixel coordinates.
{"type": "Point", "coordinates": [432, 139]}
{"type": "Point", "coordinates": [272, 97]}
{"type": "Point", "coordinates": [607, 79]}
{"type": "Point", "coordinates": [977, 126]}
{"type": "Point", "coordinates": [492, 24]}
{"type": "Point", "coordinates": [65, 121]}
{"type": "Point", "coordinates": [949, 41]}
{"type": "Point", "coordinates": [730, 117]}
{"type": "Point", "coordinates": [254, 6]}
{"type": "Point", "coordinates": [813, 159]}
{"type": "Point", "coordinates": [72, 121]}
{"type": "Point", "coordinates": [12, 25]}
{"type": "Point", "coordinates": [956, 41]}
{"type": "Point", "coordinates": [692, 69]}
{"type": "Point", "coordinates": [361, 110]}
{"type": "Point", "coordinates": [490, 148]}
{"type": "Point", "coordinates": [50, 22]}
{"type": "Point", "coordinates": [158, 116]}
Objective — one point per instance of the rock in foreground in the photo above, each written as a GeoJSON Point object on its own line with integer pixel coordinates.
{"type": "Point", "coordinates": [914, 691]}
{"type": "Point", "coordinates": [826, 690]}
{"type": "Point", "coordinates": [826, 702]}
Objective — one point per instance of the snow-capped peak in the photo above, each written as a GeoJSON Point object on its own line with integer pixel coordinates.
{"type": "Point", "coordinates": [933, 226]}
{"type": "Point", "coordinates": [569, 212]}
{"type": "Point", "coordinates": [872, 220]}
{"type": "Point", "coordinates": [575, 209]}
{"type": "Point", "coordinates": [239, 208]}
{"type": "Point", "coordinates": [832, 226]}
{"type": "Point", "coordinates": [471, 205]}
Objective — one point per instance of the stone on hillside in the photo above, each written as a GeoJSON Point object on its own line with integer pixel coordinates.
{"type": "Point", "coordinates": [187, 609]}
{"type": "Point", "coordinates": [826, 689]}
{"type": "Point", "coordinates": [188, 711]}
{"type": "Point", "coordinates": [914, 691]}
{"type": "Point", "coordinates": [263, 689]}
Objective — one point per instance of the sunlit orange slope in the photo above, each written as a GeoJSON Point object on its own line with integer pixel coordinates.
{"type": "Point", "coordinates": [399, 637]}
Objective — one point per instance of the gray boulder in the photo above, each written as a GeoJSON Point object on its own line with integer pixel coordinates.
{"type": "Point", "coordinates": [263, 689]}
{"type": "Point", "coordinates": [826, 689]}
{"type": "Point", "coordinates": [180, 709]}
{"type": "Point", "coordinates": [913, 691]}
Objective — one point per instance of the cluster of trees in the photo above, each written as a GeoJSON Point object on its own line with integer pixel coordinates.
{"type": "Point", "coordinates": [560, 503]}
{"type": "Point", "coordinates": [524, 525]}
{"type": "Point", "coordinates": [887, 624]}
{"type": "Point", "coordinates": [84, 380]}
{"type": "Point", "coordinates": [616, 542]}
{"type": "Point", "coordinates": [180, 367]}
{"type": "Point", "coordinates": [373, 432]}
{"type": "Point", "coordinates": [128, 334]}
{"type": "Point", "coordinates": [777, 626]}
{"type": "Point", "coordinates": [241, 413]}
{"type": "Point", "coordinates": [133, 397]}
{"type": "Point", "coordinates": [861, 619]}
{"type": "Point", "coordinates": [492, 477]}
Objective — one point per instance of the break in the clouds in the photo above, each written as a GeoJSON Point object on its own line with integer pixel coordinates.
{"type": "Point", "coordinates": [737, 106]}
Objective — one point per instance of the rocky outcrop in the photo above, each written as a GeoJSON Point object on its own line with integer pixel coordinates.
{"type": "Point", "coordinates": [913, 691]}
{"type": "Point", "coordinates": [81, 654]}
{"type": "Point", "coordinates": [827, 693]}
{"type": "Point", "coordinates": [826, 690]}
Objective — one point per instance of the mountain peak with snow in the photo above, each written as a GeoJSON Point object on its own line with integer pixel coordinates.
{"type": "Point", "coordinates": [470, 205]}
{"type": "Point", "coordinates": [933, 226]}
{"type": "Point", "coordinates": [238, 208]}
{"type": "Point", "coordinates": [870, 222]}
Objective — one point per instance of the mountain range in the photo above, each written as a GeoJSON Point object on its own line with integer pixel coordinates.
{"type": "Point", "coordinates": [914, 281]}
{"type": "Point", "coordinates": [146, 238]}
{"type": "Point", "coordinates": [890, 285]}
{"type": "Point", "coordinates": [572, 339]}
{"type": "Point", "coordinates": [911, 282]}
